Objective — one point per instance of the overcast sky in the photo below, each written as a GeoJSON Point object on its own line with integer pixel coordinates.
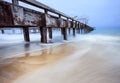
{"type": "Point", "coordinates": [101, 13]}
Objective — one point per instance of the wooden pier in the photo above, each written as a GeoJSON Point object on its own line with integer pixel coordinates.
{"type": "Point", "coordinates": [13, 15]}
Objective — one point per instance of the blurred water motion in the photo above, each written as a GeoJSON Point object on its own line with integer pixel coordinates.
{"type": "Point", "coordinates": [91, 58]}
{"type": "Point", "coordinates": [10, 68]}
{"type": "Point", "coordinates": [88, 62]}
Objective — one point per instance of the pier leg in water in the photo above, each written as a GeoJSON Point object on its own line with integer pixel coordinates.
{"type": "Point", "coordinates": [43, 31]}
{"type": "Point", "coordinates": [2, 31]}
{"type": "Point", "coordinates": [82, 31]}
{"type": "Point", "coordinates": [78, 30]}
{"type": "Point", "coordinates": [61, 31]}
{"type": "Point", "coordinates": [50, 32]}
{"type": "Point", "coordinates": [69, 30]}
{"type": "Point", "coordinates": [65, 33]}
{"type": "Point", "coordinates": [73, 31]}
{"type": "Point", "coordinates": [26, 34]}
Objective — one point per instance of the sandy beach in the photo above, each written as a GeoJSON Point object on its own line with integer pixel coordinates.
{"type": "Point", "coordinates": [59, 41]}
{"type": "Point", "coordinates": [73, 62]}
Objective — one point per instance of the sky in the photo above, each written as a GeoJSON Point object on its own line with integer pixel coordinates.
{"type": "Point", "coordinates": [100, 13]}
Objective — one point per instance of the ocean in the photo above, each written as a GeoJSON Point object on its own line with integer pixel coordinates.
{"type": "Point", "coordinates": [13, 41]}
{"type": "Point", "coordinates": [85, 58]}
{"type": "Point", "coordinates": [107, 31]}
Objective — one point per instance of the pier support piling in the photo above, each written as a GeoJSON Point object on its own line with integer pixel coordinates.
{"type": "Point", "coordinates": [78, 30]}
{"type": "Point", "coordinates": [2, 31]}
{"type": "Point", "coordinates": [69, 30]}
{"type": "Point", "coordinates": [64, 33]}
{"type": "Point", "coordinates": [50, 32]}
{"type": "Point", "coordinates": [43, 31]}
{"type": "Point", "coordinates": [61, 31]}
{"type": "Point", "coordinates": [74, 32]}
{"type": "Point", "coordinates": [26, 34]}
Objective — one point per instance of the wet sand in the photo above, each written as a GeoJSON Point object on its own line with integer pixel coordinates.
{"type": "Point", "coordinates": [76, 62]}
{"type": "Point", "coordinates": [12, 68]}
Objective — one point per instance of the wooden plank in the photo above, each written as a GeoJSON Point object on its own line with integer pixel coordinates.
{"type": "Point", "coordinates": [24, 16]}
{"type": "Point", "coordinates": [2, 19]}
{"type": "Point", "coordinates": [73, 24]}
{"type": "Point", "coordinates": [49, 21]}
{"type": "Point", "coordinates": [43, 6]}
{"type": "Point", "coordinates": [62, 23]}
{"type": "Point", "coordinates": [18, 15]}
{"type": "Point", "coordinates": [32, 18]}
{"type": "Point", "coordinates": [69, 24]}
{"type": "Point", "coordinates": [5, 15]}
{"type": "Point", "coordinates": [15, 2]}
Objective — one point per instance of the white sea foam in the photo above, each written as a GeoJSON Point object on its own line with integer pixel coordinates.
{"type": "Point", "coordinates": [98, 38]}
{"type": "Point", "coordinates": [16, 39]}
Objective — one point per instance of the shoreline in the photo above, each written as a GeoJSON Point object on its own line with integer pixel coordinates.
{"type": "Point", "coordinates": [18, 66]}
{"type": "Point", "coordinates": [70, 62]}
{"type": "Point", "coordinates": [90, 62]}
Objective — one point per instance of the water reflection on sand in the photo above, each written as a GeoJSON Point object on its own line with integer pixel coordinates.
{"type": "Point", "coordinates": [76, 62]}
{"type": "Point", "coordinates": [11, 68]}
{"type": "Point", "coordinates": [88, 63]}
